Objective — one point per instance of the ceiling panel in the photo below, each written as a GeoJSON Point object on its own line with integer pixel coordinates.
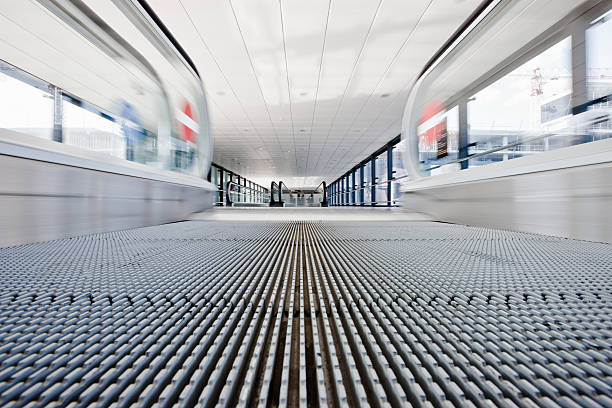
{"type": "Point", "coordinates": [309, 84]}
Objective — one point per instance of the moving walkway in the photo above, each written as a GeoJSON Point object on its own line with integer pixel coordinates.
{"type": "Point", "coordinates": [299, 313]}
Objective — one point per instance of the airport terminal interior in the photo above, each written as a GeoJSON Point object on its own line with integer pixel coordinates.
{"type": "Point", "coordinates": [279, 203]}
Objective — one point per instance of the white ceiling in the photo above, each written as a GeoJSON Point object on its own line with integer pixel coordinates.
{"type": "Point", "coordinates": [303, 90]}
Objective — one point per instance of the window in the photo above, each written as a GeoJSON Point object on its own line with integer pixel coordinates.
{"type": "Point", "coordinates": [25, 108]}
{"type": "Point", "coordinates": [599, 58]}
{"type": "Point", "coordinates": [398, 168]}
{"type": "Point", "coordinates": [381, 177]}
{"type": "Point", "coordinates": [367, 177]}
{"type": "Point", "coordinates": [88, 130]}
{"type": "Point", "coordinates": [533, 99]}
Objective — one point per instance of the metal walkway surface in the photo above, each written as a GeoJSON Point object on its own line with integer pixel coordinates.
{"type": "Point", "coordinates": [306, 313]}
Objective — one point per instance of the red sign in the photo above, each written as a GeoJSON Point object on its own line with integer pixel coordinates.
{"type": "Point", "coordinates": [189, 126]}
{"type": "Point", "coordinates": [431, 124]}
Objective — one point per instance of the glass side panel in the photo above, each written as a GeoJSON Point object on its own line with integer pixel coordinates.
{"type": "Point", "coordinates": [398, 170]}
{"type": "Point", "coordinates": [381, 194]}
{"type": "Point", "coordinates": [381, 168]}
{"type": "Point", "coordinates": [367, 196]}
{"type": "Point", "coordinates": [398, 166]}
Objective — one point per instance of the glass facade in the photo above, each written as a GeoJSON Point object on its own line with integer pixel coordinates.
{"type": "Point", "coordinates": [372, 182]}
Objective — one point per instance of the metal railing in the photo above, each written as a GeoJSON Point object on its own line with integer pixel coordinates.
{"type": "Point", "coordinates": [351, 197]}
{"type": "Point", "coordinates": [251, 196]}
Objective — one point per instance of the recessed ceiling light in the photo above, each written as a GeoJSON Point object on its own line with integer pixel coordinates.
{"type": "Point", "coordinates": [303, 93]}
{"type": "Point", "coordinates": [384, 95]}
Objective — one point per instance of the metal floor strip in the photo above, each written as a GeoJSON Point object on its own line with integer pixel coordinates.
{"type": "Point", "coordinates": [307, 314]}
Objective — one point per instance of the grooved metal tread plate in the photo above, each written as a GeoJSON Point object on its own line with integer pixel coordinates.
{"type": "Point", "coordinates": [307, 314]}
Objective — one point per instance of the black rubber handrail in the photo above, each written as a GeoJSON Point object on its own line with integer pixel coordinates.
{"type": "Point", "coordinates": [324, 200]}
{"type": "Point", "coordinates": [280, 192]}
{"type": "Point", "coordinates": [273, 201]}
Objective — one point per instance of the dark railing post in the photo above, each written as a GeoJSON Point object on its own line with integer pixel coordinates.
{"type": "Point", "coordinates": [389, 175]}
{"type": "Point", "coordinates": [348, 189]}
{"type": "Point", "coordinates": [324, 201]}
{"type": "Point", "coordinates": [361, 185]}
{"type": "Point", "coordinates": [463, 134]}
{"type": "Point", "coordinates": [345, 196]}
{"type": "Point", "coordinates": [373, 181]}
{"type": "Point", "coordinates": [353, 197]}
{"type": "Point", "coordinates": [272, 199]}
{"type": "Point", "coordinates": [220, 186]}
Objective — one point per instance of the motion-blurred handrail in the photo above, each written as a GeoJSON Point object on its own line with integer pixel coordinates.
{"type": "Point", "coordinates": [280, 192]}
{"type": "Point", "coordinates": [520, 142]}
